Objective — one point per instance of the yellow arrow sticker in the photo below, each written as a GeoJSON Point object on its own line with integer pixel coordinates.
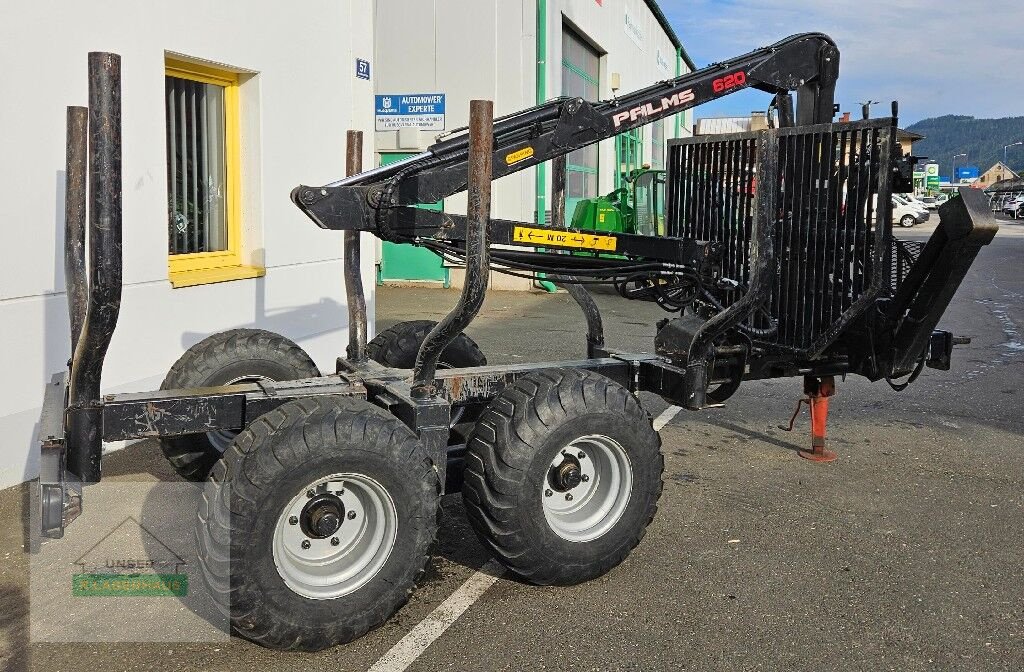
{"type": "Point", "coordinates": [561, 238]}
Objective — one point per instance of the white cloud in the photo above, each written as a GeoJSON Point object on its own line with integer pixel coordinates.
{"type": "Point", "coordinates": [934, 56]}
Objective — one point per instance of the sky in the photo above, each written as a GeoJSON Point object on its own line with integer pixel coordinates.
{"type": "Point", "coordinates": [935, 57]}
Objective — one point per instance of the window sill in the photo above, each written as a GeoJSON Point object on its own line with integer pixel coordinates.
{"type": "Point", "coordinates": [208, 276]}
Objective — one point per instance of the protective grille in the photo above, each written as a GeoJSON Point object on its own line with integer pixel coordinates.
{"type": "Point", "coordinates": [832, 209]}
{"type": "Point", "coordinates": [904, 254]}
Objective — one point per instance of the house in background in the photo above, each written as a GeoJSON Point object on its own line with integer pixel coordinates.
{"type": "Point", "coordinates": [226, 107]}
{"type": "Point", "coordinates": [997, 173]}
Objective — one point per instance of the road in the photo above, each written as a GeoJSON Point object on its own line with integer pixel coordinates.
{"type": "Point", "coordinates": [905, 554]}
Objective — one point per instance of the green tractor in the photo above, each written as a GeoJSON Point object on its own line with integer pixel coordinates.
{"type": "Point", "coordinates": [638, 207]}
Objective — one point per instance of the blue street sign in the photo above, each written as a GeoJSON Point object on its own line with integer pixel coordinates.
{"type": "Point", "coordinates": [362, 69]}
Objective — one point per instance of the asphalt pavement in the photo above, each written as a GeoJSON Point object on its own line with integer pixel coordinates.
{"type": "Point", "coordinates": [905, 554]}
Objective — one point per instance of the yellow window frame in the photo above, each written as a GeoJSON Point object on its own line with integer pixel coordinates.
{"type": "Point", "coordinates": [200, 268]}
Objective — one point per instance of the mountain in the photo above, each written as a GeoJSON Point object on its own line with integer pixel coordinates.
{"type": "Point", "coordinates": [981, 139]}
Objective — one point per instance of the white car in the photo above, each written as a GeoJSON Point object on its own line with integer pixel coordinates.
{"type": "Point", "coordinates": [913, 200]}
{"type": "Point", "coordinates": [906, 215]}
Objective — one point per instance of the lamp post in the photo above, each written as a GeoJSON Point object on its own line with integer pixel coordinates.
{"type": "Point", "coordinates": [1012, 144]}
{"type": "Point", "coordinates": [956, 178]}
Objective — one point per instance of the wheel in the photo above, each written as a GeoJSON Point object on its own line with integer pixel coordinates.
{"type": "Point", "coordinates": [562, 476]}
{"type": "Point", "coordinates": [229, 358]}
{"type": "Point", "coordinates": [397, 347]}
{"type": "Point", "coordinates": [326, 509]}
{"type": "Point", "coordinates": [907, 221]}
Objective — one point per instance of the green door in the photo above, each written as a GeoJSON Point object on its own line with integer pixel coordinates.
{"type": "Point", "coordinates": [408, 262]}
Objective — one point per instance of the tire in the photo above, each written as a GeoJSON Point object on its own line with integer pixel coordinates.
{"type": "Point", "coordinates": [258, 571]}
{"type": "Point", "coordinates": [907, 221]}
{"type": "Point", "coordinates": [513, 501]}
{"type": "Point", "coordinates": [397, 347]}
{"type": "Point", "coordinates": [231, 357]}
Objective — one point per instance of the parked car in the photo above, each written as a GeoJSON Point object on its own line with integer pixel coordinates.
{"type": "Point", "coordinates": [929, 202]}
{"type": "Point", "coordinates": [912, 200]}
{"type": "Point", "coordinates": [906, 214]}
{"type": "Point", "coordinates": [1015, 207]}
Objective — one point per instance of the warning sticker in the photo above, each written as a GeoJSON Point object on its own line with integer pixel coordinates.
{"type": "Point", "coordinates": [561, 238]}
{"type": "Point", "coordinates": [519, 155]}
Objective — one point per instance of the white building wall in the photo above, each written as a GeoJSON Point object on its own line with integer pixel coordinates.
{"type": "Point", "coordinates": [470, 49]}
{"type": "Point", "coordinates": [297, 103]}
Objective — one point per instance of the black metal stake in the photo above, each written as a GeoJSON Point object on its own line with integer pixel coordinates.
{"type": "Point", "coordinates": [104, 243]}
{"type": "Point", "coordinates": [353, 268]}
{"type": "Point", "coordinates": [478, 265]}
{"type": "Point", "coordinates": [76, 174]}
{"type": "Point", "coordinates": [579, 293]}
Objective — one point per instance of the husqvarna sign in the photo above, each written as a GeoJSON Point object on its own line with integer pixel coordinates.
{"type": "Point", "coordinates": [424, 111]}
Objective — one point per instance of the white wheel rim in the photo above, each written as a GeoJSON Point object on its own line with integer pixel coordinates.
{"type": "Point", "coordinates": [220, 439]}
{"type": "Point", "coordinates": [591, 508]}
{"type": "Point", "coordinates": [343, 562]}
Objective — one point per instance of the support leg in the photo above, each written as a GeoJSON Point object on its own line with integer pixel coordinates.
{"type": "Point", "coordinates": [818, 391]}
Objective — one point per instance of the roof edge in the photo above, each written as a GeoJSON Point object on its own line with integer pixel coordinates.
{"type": "Point", "coordinates": [673, 38]}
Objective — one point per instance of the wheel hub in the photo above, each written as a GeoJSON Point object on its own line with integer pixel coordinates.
{"type": "Point", "coordinates": [322, 515]}
{"type": "Point", "coordinates": [567, 475]}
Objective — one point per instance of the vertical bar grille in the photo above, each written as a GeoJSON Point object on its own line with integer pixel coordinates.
{"type": "Point", "coordinates": [832, 230]}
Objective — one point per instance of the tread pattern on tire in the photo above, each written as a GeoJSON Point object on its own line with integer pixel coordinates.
{"type": "Point", "coordinates": [283, 437]}
{"type": "Point", "coordinates": [502, 444]}
{"type": "Point", "coordinates": [397, 346]}
{"type": "Point", "coordinates": [189, 455]}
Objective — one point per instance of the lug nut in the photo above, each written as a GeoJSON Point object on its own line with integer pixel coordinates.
{"type": "Point", "coordinates": [305, 544]}
{"type": "Point", "coordinates": [584, 478]}
{"type": "Point", "coordinates": [548, 493]}
{"type": "Point", "coordinates": [581, 455]}
{"type": "Point", "coordinates": [293, 520]}
{"type": "Point", "coordinates": [568, 496]}
{"type": "Point", "coordinates": [334, 541]}
{"type": "Point", "coordinates": [351, 515]}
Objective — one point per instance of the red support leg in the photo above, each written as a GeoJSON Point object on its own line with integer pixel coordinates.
{"type": "Point", "coordinates": [818, 391]}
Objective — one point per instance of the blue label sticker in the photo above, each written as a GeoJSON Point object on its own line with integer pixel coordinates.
{"type": "Point", "coordinates": [362, 69]}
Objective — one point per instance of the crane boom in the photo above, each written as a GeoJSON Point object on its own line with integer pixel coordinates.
{"type": "Point", "coordinates": [807, 64]}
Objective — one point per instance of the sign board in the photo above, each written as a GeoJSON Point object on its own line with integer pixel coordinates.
{"type": "Point", "coordinates": [967, 173]}
{"type": "Point", "coordinates": [931, 172]}
{"type": "Point", "coordinates": [362, 69]}
{"type": "Point", "coordinates": [662, 62]}
{"type": "Point", "coordinates": [633, 30]}
{"type": "Point", "coordinates": [424, 111]}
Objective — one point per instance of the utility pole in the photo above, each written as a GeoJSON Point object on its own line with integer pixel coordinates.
{"type": "Point", "coordinates": [956, 179]}
{"type": "Point", "coordinates": [1012, 144]}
